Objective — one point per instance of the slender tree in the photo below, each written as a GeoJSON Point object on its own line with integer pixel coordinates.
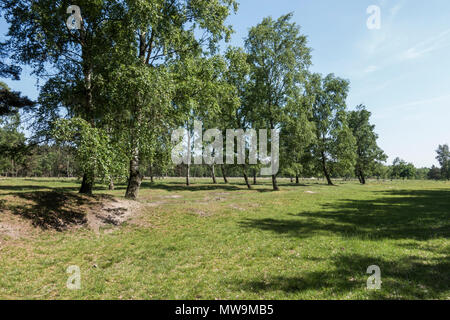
{"type": "Point", "coordinates": [298, 134]}
{"type": "Point", "coordinates": [164, 32]}
{"type": "Point", "coordinates": [279, 58]}
{"type": "Point", "coordinates": [334, 150]}
{"type": "Point", "coordinates": [70, 60]}
{"type": "Point", "coordinates": [367, 151]}
{"type": "Point", "coordinates": [235, 111]}
{"type": "Point", "coordinates": [443, 157]}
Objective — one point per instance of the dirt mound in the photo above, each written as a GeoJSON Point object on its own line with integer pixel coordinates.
{"type": "Point", "coordinates": [60, 211]}
{"type": "Point", "coordinates": [113, 212]}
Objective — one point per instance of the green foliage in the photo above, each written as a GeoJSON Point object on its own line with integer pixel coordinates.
{"type": "Point", "coordinates": [95, 151]}
{"type": "Point", "coordinates": [279, 57]}
{"type": "Point", "coordinates": [297, 134]}
{"type": "Point", "coordinates": [7, 70]}
{"type": "Point", "coordinates": [141, 106]}
{"type": "Point", "coordinates": [12, 102]}
{"type": "Point", "coordinates": [13, 148]}
{"type": "Point", "coordinates": [422, 173]}
{"type": "Point", "coordinates": [443, 157]}
{"type": "Point", "coordinates": [334, 148]}
{"type": "Point", "coordinates": [367, 151]}
{"type": "Point", "coordinates": [138, 69]}
{"type": "Point", "coordinates": [402, 170]}
{"type": "Point", "coordinates": [434, 173]}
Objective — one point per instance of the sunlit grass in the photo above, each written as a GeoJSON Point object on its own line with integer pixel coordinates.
{"type": "Point", "coordinates": [225, 242]}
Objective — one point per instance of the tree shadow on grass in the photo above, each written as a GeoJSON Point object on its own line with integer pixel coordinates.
{"type": "Point", "coordinates": [22, 188]}
{"type": "Point", "coordinates": [54, 180]}
{"type": "Point", "coordinates": [54, 210]}
{"type": "Point", "coordinates": [407, 278]}
{"type": "Point", "coordinates": [180, 186]}
{"type": "Point", "coordinates": [404, 214]}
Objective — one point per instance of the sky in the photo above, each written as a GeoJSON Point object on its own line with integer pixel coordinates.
{"type": "Point", "coordinates": [401, 71]}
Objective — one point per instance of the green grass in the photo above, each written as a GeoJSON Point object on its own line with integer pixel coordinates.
{"type": "Point", "coordinates": [225, 242]}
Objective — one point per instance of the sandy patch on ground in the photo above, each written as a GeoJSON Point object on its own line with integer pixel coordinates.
{"type": "Point", "coordinates": [26, 214]}
{"type": "Point", "coordinates": [175, 196]}
{"type": "Point", "coordinates": [14, 229]}
{"type": "Point", "coordinates": [113, 213]}
{"type": "Point", "coordinates": [203, 214]}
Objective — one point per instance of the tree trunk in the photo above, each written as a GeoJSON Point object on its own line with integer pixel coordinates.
{"type": "Point", "coordinates": [325, 170]}
{"type": "Point", "coordinates": [111, 184]}
{"type": "Point", "coordinates": [274, 183]}
{"type": "Point", "coordinates": [297, 180]}
{"type": "Point", "coordinates": [135, 179]}
{"type": "Point", "coordinates": [246, 178]}
{"type": "Point", "coordinates": [224, 174]}
{"type": "Point", "coordinates": [151, 173]}
{"type": "Point", "coordinates": [12, 168]}
{"type": "Point", "coordinates": [213, 174]}
{"type": "Point", "coordinates": [363, 179]}
{"type": "Point", "coordinates": [188, 172]}
{"type": "Point", "coordinates": [254, 177]}
{"type": "Point", "coordinates": [188, 165]}
{"type": "Point", "coordinates": [292, 180]}
{"type": "Point", "coordinates": [87, 185]}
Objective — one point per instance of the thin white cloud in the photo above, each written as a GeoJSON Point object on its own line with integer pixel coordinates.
{"type": "Point", "coordinates": [437, 42]}
{"type": "Point", "coordinates": [424, 102]}
{"type": "Point", "coordinates": [396, 9]}
{"type": "Point", "coordinates": [371, 69]}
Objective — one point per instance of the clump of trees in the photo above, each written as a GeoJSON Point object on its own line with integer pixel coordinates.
{"type": "Point", "coordinates": [138, 70]}
{"type": "Point", "coordinates": [400, 169]}
{"type": "Point", "coordinates": [443, 157]}
{"type": "Point", "coordinates": [368, 154]}
{"type": "Point", "coordinates": [13, 146]}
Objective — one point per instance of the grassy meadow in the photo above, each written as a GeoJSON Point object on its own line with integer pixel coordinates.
{"type": "Point", "coordinates": [307, 241]}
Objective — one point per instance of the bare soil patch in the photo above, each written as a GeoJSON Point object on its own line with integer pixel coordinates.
{"type": "Point", "coordinates": [49, 210]}
{"type": "Point", "coordinates": [175, 196]}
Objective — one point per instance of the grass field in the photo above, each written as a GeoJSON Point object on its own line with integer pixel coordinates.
{"type": "Point", "coordinates": [222, 241]}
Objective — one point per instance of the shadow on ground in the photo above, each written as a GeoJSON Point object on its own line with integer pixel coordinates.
{"type": "Point", "coordinates": [407, 278]}
{"type": "Point", "coordinates": [398, 215]}
{"type": "Point", "coordinates": [54, 210]}
{"type": "Point", "coordinates": [22, 188]}
{"type": "Point", "coordinates": [172, 186]}
{"type": "Point", "coordinates": [404, 214]}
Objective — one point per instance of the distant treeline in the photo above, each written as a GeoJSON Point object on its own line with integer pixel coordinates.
{"type": "Point", "coordinates": [56, 161]}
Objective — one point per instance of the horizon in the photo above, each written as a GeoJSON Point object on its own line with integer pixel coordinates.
{"type": "Point", "coordinates": [395, 71]}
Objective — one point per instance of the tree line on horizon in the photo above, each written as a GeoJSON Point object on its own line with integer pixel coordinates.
{"type": "Point", "coordinates": [54, 161]}
{"type": "Point", "coordinates": [114, 90]}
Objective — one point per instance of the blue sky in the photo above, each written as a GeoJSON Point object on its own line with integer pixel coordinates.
{"type": "Point", "coordinates": [400, 72]}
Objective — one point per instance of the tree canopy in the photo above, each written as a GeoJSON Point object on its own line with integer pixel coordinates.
{"type": "Point", "coordinates": [367, 151]}
{"type": "Point", "coordinates": [135, 71]}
